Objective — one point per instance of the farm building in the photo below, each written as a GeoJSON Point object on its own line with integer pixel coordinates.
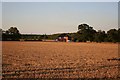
{"type": "Point", "coordinates": [64, 38]}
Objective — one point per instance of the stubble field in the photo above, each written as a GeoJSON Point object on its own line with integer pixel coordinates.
{"type": "Point", "coordinates": [59, 60]}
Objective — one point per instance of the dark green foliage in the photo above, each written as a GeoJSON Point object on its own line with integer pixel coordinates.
{"type": "Point", "coordinates": [87, 33]}
{"type": "Point", "coordinates": [112, 35]}
{"type": "Point", "coordinates": [84, 33]}
{"type": "Point", "coordinates": [100, 36]}
{"type": "Point", "coordinates": [11, 34]}
{"type": "Point", "coordinates": [31, 37]}
{"type": "Point", "coordinates": [13, 30]}
{"type": "Point", "coordinates": [53, 36]}
{"type": "Point", "coordinates": [0, 34]}
{"type": "Point", "coordinates": [119, 35]}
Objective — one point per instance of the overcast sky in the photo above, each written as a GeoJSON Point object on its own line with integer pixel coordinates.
{"type": "Point", "coordinates": [56, 17]}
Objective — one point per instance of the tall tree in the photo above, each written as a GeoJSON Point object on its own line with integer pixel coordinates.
{"type": "Point", "coordinates": [119, 35]}
{"type": "Point", "coordinates": [11, 34]}
{"type": "Point", "coordinates": [100, 36]}
{"type": "Point", "coordinates": [86, 32]}
{"type": "Point", "coordinates": [112, 35]}
{"type": "Point", "coordinates": [1, 31]}
{"type": "Point", "coordinates": [13, 30]}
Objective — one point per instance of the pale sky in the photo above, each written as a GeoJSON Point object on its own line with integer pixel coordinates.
{"type": "Point", "coordinates": [60, 0]}
{"type": "Point", "coordinates": [56, 17]}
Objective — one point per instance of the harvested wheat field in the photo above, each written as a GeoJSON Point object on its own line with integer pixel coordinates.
{"type": "Point", "coordinates": [59, 60]}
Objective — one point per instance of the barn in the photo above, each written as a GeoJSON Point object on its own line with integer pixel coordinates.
{"type": "Point", "coordinates": [64, 38]}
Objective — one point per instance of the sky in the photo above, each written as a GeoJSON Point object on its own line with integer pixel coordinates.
{"type": "Point", "coordinates": [60, 0]}
{"type": "Point", "coordinates": [58, 17]}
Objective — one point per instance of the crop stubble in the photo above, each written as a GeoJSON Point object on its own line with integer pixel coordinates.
{"type": "Point", "coordinates": [59, 60]}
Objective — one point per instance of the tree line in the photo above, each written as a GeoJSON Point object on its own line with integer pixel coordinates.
{"type": "Point", "coordinates": [85, 33]}
{"type": "Point", "coordinates": [13, 34]}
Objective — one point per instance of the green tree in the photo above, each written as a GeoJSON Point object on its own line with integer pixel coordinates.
{"type": "Point", "coordinates": [119, 35]}
{"type": "Point", "coordinates": [11, 34]}
{"type": "Point", "coordinates": [112, 35]}
{"type": "Point", "coordinates": [1, 31]}
{"type": "Point", "coordinates": [13, 30]}
{"type": "Point", "coordinates": [85, 32]}
{"type": "Point", "coordinates": [100, 36]}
